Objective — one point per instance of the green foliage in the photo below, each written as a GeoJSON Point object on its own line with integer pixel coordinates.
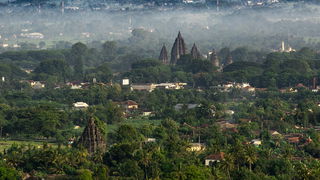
{"type": "Point", "coordinates": [145, 63]}
{"type": "Point", "coordinates": [111, 113]}
{"type": "Point", "coordinates": [84, 174]}
{"type": "Point", "coordinates": [10, 72]}
{"type": "Point", "coordinates": [102, 74]}
{"type": "Point", "coordinates": [8, 172]}
{"type": "Point", "coordinates": [58, 68]}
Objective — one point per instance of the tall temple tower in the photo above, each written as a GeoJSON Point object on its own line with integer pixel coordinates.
{"type": "Point", "coordinates": [178, 49]}
{"type": "Point", "coordinates": [164, 55]}
{"type": "Point", "coordinates": [195, 53]}
{"type": "Point", "coordinates": [214, 59]}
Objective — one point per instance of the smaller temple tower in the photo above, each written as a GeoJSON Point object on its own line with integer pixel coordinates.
{"type": "Point", "coordinates": [164, 55]}
{"type": "Point", "coordinates": [195, 53]}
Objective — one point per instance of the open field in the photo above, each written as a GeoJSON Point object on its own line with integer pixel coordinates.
{"type": "Point", "coordinates": [135, 122]}
{"type": "Point", "coordinates": [5, 144]}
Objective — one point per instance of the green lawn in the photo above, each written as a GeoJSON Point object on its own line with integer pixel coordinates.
{"type": "Point", "coordinates": [5, 144]}
{"type": "Point", "coordinates": [135, 122]}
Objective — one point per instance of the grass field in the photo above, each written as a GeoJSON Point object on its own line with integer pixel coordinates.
{"type": "Point", "coordinates": [135, 122]}
{"type": "Point", "coordinates": [5, 144]}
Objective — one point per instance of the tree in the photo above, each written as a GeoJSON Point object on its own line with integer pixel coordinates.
{"type": "Point", "coordinates": [111, 113]}
{"type": "Point", "coordinates": [84, 174]}
{"type": "Point", "coordinates": [250, 155]}
{"type": "Point", "coordinates": [109, 50]}
{"type": "Point", "coordinates": [78, 53]}
{"type": "Point", "coordinates": [58, 68]}
{"type": "Point", "coordinates": [102, 73]}
{"type": "Point", "coordinates": [127, 133]}
{"type": "Point", "coordinates": [42, 44]}
{"type": "Point", "coordinates": [228, 164]}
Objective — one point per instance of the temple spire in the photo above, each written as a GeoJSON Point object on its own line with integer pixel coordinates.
{"type": "Point", "coordinates": [164, 55]}
{"type": "Point", "coordinates": [195, 52]}
{"type": "Point", "coordinates": [178, 49]}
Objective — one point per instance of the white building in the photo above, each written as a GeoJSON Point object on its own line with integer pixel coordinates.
{"type": "Point", "coordinates": [34, 35]}
{"type": "Point", "coordinates": [256, 142]}
{"type": "Point", "coordinates": [80, 105]}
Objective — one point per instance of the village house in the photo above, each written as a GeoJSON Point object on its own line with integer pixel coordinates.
{"type": "Point", "coordinates": [77, 85]}
{"type": "Point", "coordinates": [149, 140]}
{"type": "Point", "coordinates": [178, 107]}
{"type": "Point", "coordinates": [143, 87]}
{"type": "Point", "coordinates": [300, 85]}
{"type": "Point", "coordinates": [38, 85]}
{"type": "Point", "coordinates": [243, 86]}
{"type": "Point", "coordinates": [229, 112]}
{"type": "Point", "coordinates": [212, 158]}
{"type": "Point", "coordinates": [80, 105]}
{"type": "Point", "coordinates": [74, 85]}
{"type": "Point", "coordinates": [294, 138]}
{"type": "Point", "coordinates": [129, 105]}
{"type": "Point", "coordinates": [151, 87]}
{"type": "Point", "coordinates": [244, 120]}
{"type": "Point", "coordinates": [224, 125]}
{"type": "Point", "coordinates": [34, 84]}
{"type": "Point", "coordinates": [288, 90]}
{"type": "Point", "coordinates": [196, 147]}
{"type": "Point", "coordinates": [256, 142]}
{"type": "Point", "coordinates": [274, 133]}
{"type": "Point", "coordinates": [146, 113]}
{"type": "Point", "coordinates": [171, 85]}
{"type": "Point", "coordinates": [249, 89]}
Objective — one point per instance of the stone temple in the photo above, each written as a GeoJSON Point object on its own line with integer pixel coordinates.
{"type": "Point", "coordinates": [195, 53]}
{"type": "Point", "coordinates": [178, 49]}
{"type": "Point", "coordinates": [164, 55]}
{"type": "Point", "coordinates": [92, 139]}
{"type": "Point", "coordinates": [214, 59]}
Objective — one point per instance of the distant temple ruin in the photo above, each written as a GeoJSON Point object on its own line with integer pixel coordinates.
{"type": "Point", "coordinates": [91, 138]}
{"type": "Point", "coordinates": [286, 48]}
{"type": "Point", "coordinates": [229, 60]}
{"type": "Point", "coordinates": [164, 55]}
{"type": "Point", "coordinates": [178, 49]}
{"type": "Point", "coordinates": [195, 53]}
{"type": "Point", "coordinates": [214, 59]}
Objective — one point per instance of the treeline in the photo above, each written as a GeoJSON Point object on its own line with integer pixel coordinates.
{"type": "Point", "coordinates": [83, 64]}
{"type": "Point", "coordinates": [168, 157]}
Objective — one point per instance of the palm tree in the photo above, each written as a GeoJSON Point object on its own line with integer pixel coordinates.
{"type": "Point", "coordinates": [250, 155]}
{"type": "Point", "coordinates": [228, 164]}
{"type": "Point", "coordinates": [145, 161]}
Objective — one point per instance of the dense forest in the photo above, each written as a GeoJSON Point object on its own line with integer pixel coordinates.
{"type": "Point", "coordinates": [270, 132]}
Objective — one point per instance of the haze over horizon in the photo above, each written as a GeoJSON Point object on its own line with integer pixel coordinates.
{"type": "Point", "coordinates": [257, 28]}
